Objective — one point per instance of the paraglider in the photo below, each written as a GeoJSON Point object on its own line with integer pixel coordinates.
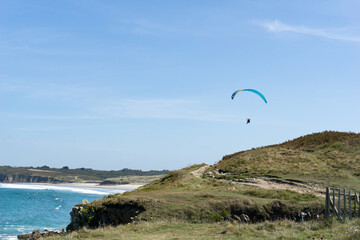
{"type": "Point", "coordinates": [249, 90]}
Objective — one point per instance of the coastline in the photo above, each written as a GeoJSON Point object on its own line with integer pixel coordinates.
{"type": "Point", "coordinates": [91, 188]}
{"type": "Point", "coordinates": [35, 197]}
{"type": "Point", "coordinates": [86, 185]}
{"type": "Point", "coordinates": [95, 185]}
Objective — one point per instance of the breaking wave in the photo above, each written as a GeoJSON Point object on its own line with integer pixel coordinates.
{"type": "Point", "coordinates": [84, 190]}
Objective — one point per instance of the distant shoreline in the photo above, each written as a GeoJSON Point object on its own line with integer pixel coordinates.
{"type": "Point", "coordinates": [83, 185]}
{"type": "Point", "coordinates": [97, 185]}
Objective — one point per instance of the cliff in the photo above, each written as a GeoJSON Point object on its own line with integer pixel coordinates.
{"type": "Point", "coordinates": [27, 178]}
{"type": "Point", "coordinates": [109, 213]}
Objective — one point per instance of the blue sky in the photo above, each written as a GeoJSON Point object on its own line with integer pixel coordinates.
{"type": "Point", "coordinates": [147, 84]}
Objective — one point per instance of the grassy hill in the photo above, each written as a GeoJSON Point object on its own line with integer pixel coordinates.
{"type": "Point", "coordinates": [270, 183]}
{"type": "Point", "coordinates": [327, 158]}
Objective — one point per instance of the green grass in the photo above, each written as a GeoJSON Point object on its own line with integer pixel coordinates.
{"type": "Point", "coordinates": [182, 197]}
{"type": "Point", "coordinates": [133, 179]}
{"type": "Point", "coordinates": [277, 230]}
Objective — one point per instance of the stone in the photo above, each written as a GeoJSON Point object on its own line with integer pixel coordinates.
{"type": "Point", "coordinates": [245, 218]}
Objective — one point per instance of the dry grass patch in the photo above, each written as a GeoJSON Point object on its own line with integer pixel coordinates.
{"type": "Point", "coordinates": [277, 230]}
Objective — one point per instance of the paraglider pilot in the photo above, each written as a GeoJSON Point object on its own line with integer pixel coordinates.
{"type": "Point", "coordinates": [247, 120]}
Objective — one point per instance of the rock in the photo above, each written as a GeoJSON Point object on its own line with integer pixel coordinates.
{"type": "Point", "coordinates": [109, 214]}
{"type": "Point", "coordinates": [30, 236]}
{"type": "Point", "coordinates": [237, 218]}
{"type": "Point", "coordinates": [224, 232]}
{"type": "Point", "coordinates": [36, 235]}
{"type": "Point", "coordinates": [85, 201]}
{"type": "Point", "coordinates": [303, 216]}
{"type": "Point", "coordinates": [243, 218]}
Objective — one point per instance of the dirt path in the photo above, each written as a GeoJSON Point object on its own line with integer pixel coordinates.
{"type": "Point", "coordinates": [285, 185]}
{"type": "Point", "coordinates": [198, 173]}
{"type": "Point", "coordinates": [273, 183]}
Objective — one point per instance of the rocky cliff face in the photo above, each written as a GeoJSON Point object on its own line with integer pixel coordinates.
{"type": "Point", "coordinates": [90, 216]}
{"type": "Point", "coordinates": [27, 178]}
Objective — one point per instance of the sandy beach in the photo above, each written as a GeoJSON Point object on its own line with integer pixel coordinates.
{"type": "Point", "coordinates": [96, 185]}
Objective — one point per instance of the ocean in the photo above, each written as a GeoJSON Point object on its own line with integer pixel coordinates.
{"type": "Point", "coordinates": [28, 207]}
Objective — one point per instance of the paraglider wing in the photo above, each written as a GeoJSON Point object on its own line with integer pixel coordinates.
{"type": "Point", "coordinates": [250, 90]}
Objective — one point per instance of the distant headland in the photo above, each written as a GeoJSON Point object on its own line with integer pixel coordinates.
{"type": "Point", "coordinates": [45, 174]}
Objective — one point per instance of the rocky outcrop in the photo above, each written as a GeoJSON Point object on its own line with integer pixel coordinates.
{"type": "Point", "coordinates": [91, 216]}
{"type": "Point", "coordinates": [27, 178]}
{"type": "Point", "coordinates": [37, 234]}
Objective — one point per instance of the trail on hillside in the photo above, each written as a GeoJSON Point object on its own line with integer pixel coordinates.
{"type": "Point", "coordinates": [273, 183]}
{"type": "Point", "coordinates": [199, 172]}
{"type": "Point", "coordinates": [268, 183]}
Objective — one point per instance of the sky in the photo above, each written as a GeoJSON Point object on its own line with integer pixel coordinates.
{"type": "Point", "coordinates": [110, 84]}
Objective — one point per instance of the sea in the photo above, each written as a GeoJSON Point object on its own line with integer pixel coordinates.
{"type": "Point", "coordinates": [28, 207]}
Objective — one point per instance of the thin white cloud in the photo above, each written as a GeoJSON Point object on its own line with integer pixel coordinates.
{"type": "Point", "coordinates": [158, 109]}
{"type": "Point", "coordinates": [276, 26]}
{"type": "Point", "coordinates": [137, 109]}
{"type": "Point", "coordinates": [63, 92]}
{"type": "Point", "coordinates": [143, 27]}
{"type": "Point", "coordinates": [64, 117]}
{"type": "Point", "coordinates": [102, 103]}
{"type": "Point", "coordinates": [50, 117]}
{"type": "Point", "coordinates": [42, 41]}
{"type": "Point", "coordinates": [49, 128]}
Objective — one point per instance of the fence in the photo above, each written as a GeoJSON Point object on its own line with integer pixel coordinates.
{"type": "Point", "coordinates": [341, 203]}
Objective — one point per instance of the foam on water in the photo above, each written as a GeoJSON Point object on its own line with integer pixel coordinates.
{"type": "Point", "coordinates": [5, 237]}
{"type": "Point", "coordinates": [61, 188]}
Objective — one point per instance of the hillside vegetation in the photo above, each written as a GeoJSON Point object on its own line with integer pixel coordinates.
{"type": "Point", "coordinates": [46, 174]}
{"type": "Point", "coordinates": [273, 183]}
{"type": "Point", "coordinates": [276, 230]}
{"type": "Point", "coordinates": [327, 158]}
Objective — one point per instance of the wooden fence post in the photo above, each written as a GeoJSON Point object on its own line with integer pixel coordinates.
{"type": "Point", "coordinates": [350, 204]}
{"type": "Point", "coordinates": [344, 203]}
{"type": "Point", "coordinates": [339, 210]}
{"type": "Point", "coordinates": [327, 203]}
{"type": "Point", "coordinates": [333, 201]}
{"type": "Point", "coordinates": [355, 204]}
